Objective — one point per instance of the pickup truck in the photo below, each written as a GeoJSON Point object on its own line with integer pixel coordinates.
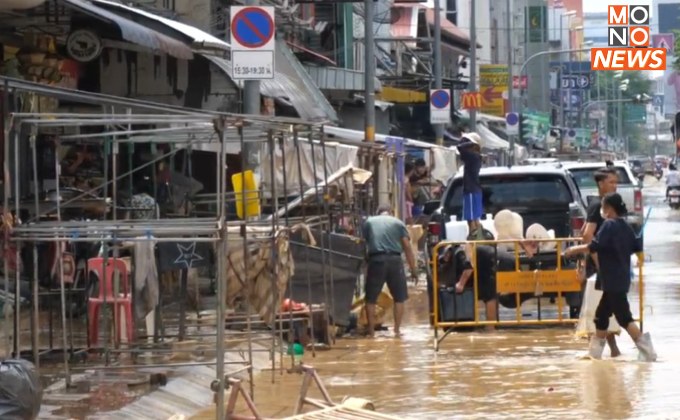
{"type": "Point", "coordinates": [628, 186]}
{"type": "Point", "coordinates": [545, 194]}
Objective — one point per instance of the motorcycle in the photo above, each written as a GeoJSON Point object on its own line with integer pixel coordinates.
{"type": "Point", "coordinates": [658, 172]}
{"type": "Point", "coordinates": [674, 197]}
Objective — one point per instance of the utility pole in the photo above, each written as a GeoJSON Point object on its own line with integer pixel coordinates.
{"type": "Point", "coordinates": [473, 61]}
{"type": "Point", "coordinates": [251, 106]}
{"type": "Point", "coordinates": [508, 23]}
{"type": "Point", "coordinates": [620, 119]}
{"type": "Point", "coordinates": [438, 128]}
{"type": "Point", "coordinates": [369, 71]}
{"type": "Point", "coordinates": [656, 135]}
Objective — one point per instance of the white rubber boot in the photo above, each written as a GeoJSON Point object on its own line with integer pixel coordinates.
{"type": "Point", "coordinates": [644, 345]}
{"type": "Point", "coordinates": [596, 347]}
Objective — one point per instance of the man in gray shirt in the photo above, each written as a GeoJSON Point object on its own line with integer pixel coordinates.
{"type": "Point", "coordinates": [386, 238]}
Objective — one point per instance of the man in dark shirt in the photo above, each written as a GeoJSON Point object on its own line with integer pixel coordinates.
{"type": "Point", "coordinates": [607, 181]}
{"type": "Point", "coordinates": [470, 154]}
{"type": "Point", "coordinates": [457, 271]}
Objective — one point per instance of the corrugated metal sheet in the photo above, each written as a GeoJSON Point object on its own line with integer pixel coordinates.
{"type": "Point", "coordinates": [132, 31]}
{"type": "Point", "coordinates": [200, 39]}
{"type": "Point", "coordinates": [336, 78]}
{"type": "Point", "coordinates": [301, 85]}
{"type": "Point", "coordinates": [291, 84]}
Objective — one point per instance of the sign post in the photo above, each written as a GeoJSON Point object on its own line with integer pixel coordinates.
{"type": "Point", "coordinates": [440, 106]}
{"type": "Point", "coordinates": [252, 42]}
{"type": "Point", "coordinates": [512, 123]}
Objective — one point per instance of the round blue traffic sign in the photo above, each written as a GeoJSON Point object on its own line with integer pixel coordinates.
{"type": "Point", "coordinates": [571, 133]}
{"type": "Point", "coordinates": [440, 99]}
{"type": "Point", "coordinates": [252, 27]}
{"type": "Point", "coordinates": [512, 118]}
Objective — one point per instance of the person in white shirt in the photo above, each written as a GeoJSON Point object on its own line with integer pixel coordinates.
{"type": "Point", "coordinates": [672, 178]}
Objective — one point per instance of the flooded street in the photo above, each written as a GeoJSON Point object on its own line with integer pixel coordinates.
{"type": "Point", "coordinates": [535, 373]}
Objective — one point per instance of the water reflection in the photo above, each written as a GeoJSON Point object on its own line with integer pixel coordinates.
{"type": "Point", "coordinates": [523, 374]}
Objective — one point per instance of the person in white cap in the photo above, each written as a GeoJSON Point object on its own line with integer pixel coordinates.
{"type": "Point", "coordinates": [470, 154]}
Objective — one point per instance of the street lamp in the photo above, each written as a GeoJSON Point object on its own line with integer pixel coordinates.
{"type": "Point", "coordinates": [637, 99]}
{"type": "Point", "coordinates": [542, 53]}
{"type": "Point", "coordinates": [539, 54]}
{"type": "Point", "coordinates": [521, 73]}
{"type": "Point", "coordinates": [567, 14]}
{"type": "Point", "coordinates": [623, 86]}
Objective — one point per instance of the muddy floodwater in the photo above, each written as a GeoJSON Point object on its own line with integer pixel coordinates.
{"type": "Point", "coordinates": [537, 373]}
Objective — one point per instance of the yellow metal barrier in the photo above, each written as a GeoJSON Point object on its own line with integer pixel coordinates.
{"type": "Point", "coordinates": [558, 280]}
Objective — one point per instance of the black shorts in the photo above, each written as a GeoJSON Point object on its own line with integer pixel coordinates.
{"type": "Point", "coordinates": [486, 289]}
{"type": "Point", "coordinates": [386, 269]}
{"type": "Point", "coordinates": [613, 303]}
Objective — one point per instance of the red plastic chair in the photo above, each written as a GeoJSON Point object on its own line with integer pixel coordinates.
{"type": "Point", "coordinates": [106, 288]}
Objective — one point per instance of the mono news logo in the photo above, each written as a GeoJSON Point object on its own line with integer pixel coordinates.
{"type": "Point", "coordinates": [629, 40]}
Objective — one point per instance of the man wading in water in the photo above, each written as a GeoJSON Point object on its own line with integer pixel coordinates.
{"type": "Point", "coordinates": [611, 250]}
{"type": "Point", "coordinates": [386, 238]}
{"type": "Point", "coordinates": [607, 181]}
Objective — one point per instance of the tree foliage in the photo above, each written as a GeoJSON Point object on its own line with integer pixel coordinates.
{"type": "Point", "coordinates": [638, 83]}
{"type": "Point", "coordinates": [676, 63]}
{"type": "Point", "coordinates": [605, 88]}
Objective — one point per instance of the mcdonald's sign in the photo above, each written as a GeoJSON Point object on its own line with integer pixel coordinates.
{"type": "Point", "coordinates": [471, 100]}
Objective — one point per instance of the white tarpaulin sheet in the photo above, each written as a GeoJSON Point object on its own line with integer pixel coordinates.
{"type": "Point", "coordinates": [311, 165]}
{"type": "Point", "coordinates": [492, 141]}
{"type": "Point", "coordinates": [444, 164]}
{"type": "Point", "coordinates": [442, 160]}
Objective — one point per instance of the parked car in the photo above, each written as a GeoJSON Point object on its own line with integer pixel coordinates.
{"type": "Point", "coordinates": [629, 187]}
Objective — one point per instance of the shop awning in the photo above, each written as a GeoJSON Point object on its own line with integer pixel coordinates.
{"type": "Point", "coordinates": [198, 39]}
{"type": "Point", "coordinates": [442, 160]}
{"type": "Point", "coordinates": [132, 31]}
{"type": "Point", "coordinates": [481, 116]}
{"type": "Point", "coordinates": [401, 96]}
{"type": "Point", "coordinates": [294, 87]}
{"type": "Point", "coordinates": [336, 78]}
{"type": "Point", "coordinates": [492, 141]}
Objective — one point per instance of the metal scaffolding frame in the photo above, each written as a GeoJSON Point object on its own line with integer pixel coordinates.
{"type": "Point", "coordinates": [183, 128]}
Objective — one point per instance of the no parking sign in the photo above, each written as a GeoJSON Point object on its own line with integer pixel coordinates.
{"type": "Point", "coordinates": [440, 106]}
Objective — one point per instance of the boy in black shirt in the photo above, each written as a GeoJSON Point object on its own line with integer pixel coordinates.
{"type": "Point", "coordinates": [611, 250]}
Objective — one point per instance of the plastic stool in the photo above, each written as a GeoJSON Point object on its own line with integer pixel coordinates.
{"type": "Point", "coordinates": [106, 288]}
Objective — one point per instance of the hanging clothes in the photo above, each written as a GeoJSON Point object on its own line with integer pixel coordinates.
{"type": "Point", "coordinates": [146, 277]}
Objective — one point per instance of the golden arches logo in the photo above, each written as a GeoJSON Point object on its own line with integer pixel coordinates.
{"type": "Point", "coordinates": [471, 100]}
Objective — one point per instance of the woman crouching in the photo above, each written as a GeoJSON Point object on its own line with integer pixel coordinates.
{"type": "Point", "coordinates": [611, 250]}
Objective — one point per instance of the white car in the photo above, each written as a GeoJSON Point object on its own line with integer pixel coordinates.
{"type": "Point", "coordinates": [628, 186]}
